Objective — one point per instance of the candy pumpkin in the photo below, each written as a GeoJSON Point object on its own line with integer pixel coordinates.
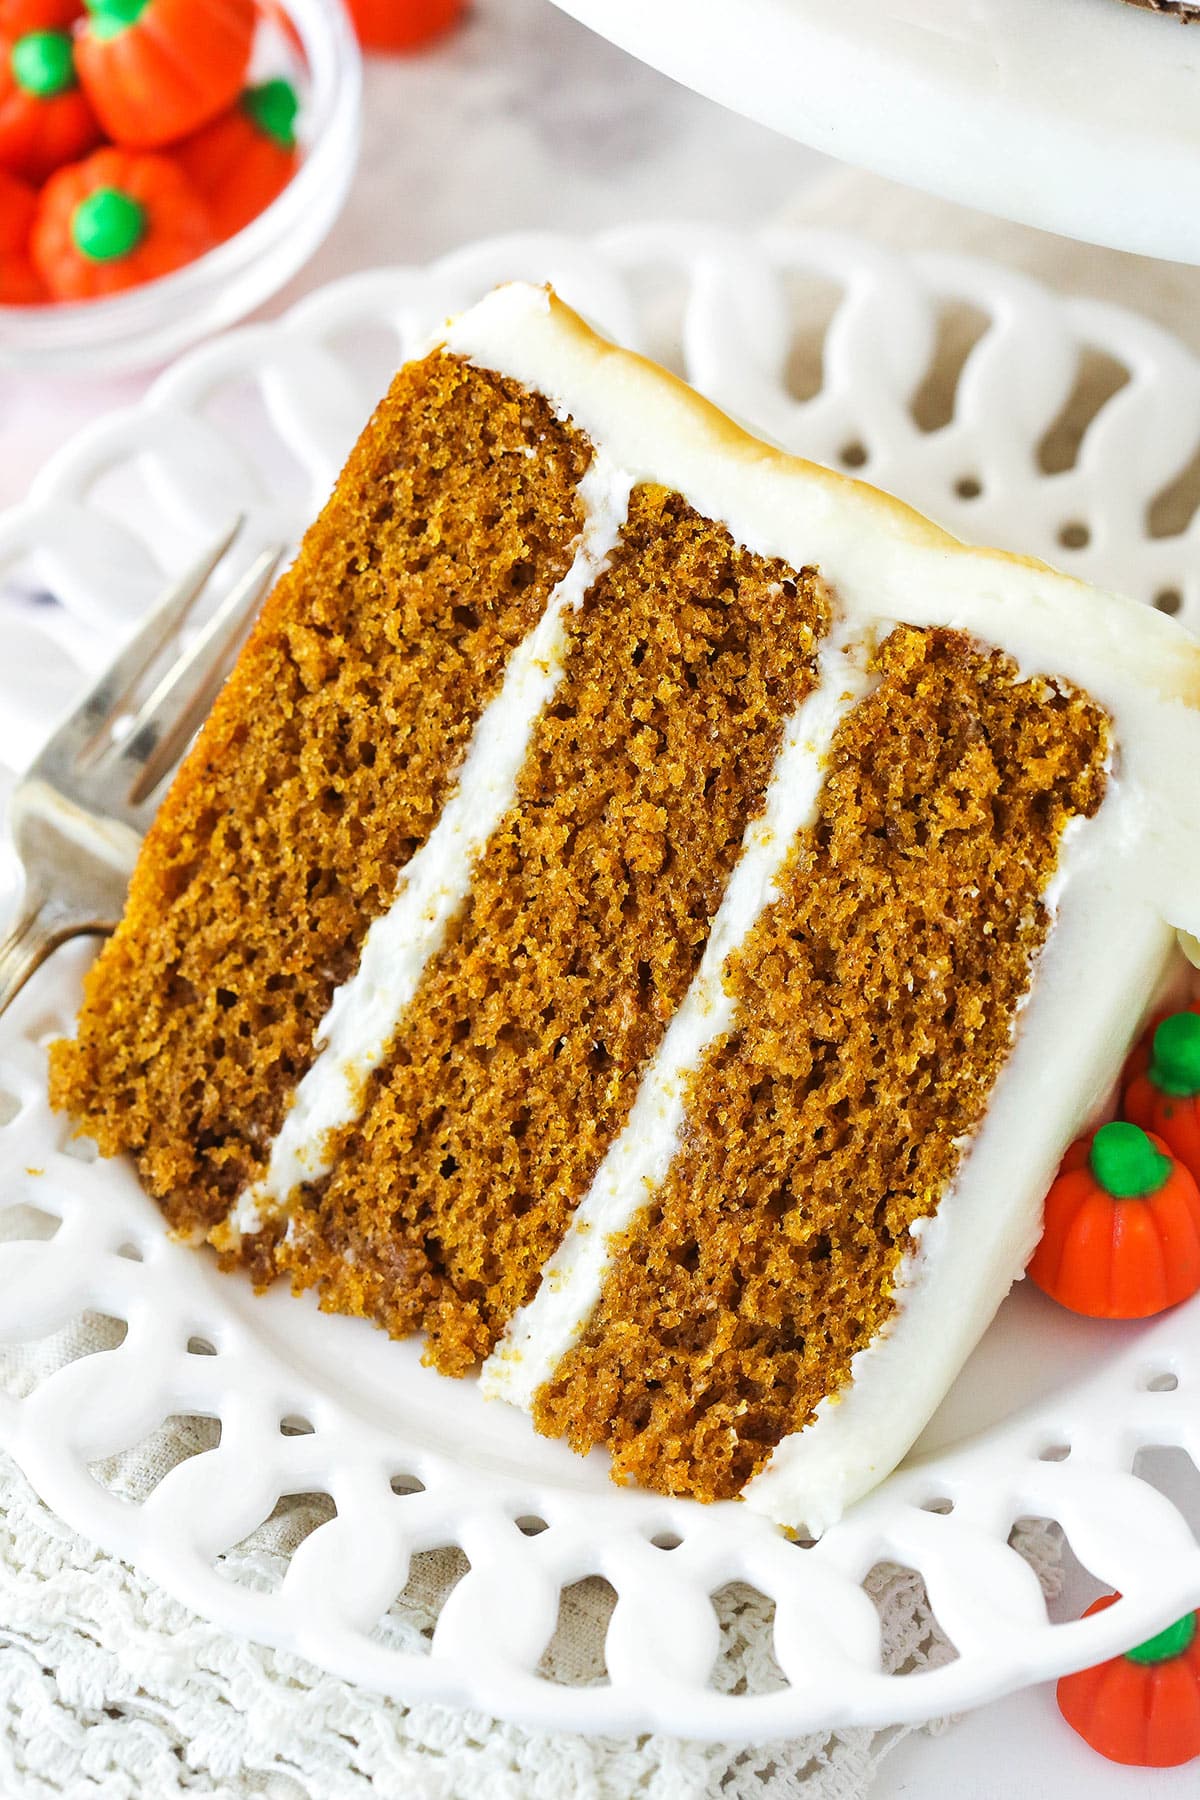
{"type": "Point", "coordinates": [155, 70]}
{"type": "Point", "coordinates": [19, 282]}
{"type": "Point", "coordinates": [1139, 1058]}
{"type": "Point", "coordinates": [114, 221]}
{"type": "Point", "coordinates": [1142, 1708]}
{"type": "Point", "coordinates": [402, 24]}
{"type": "Point", "coordinates": [1122, 1227]}
{"type": "Point", "coordinates": [241, 161]}
{"type": "Point", "coordinates": [1164, 1097]}
{"type": "Point", "coordinates": [19, 16]}
{"type": "Point", "coordinates": [45, 119]}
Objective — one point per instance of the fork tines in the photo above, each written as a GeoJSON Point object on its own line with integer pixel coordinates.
{"type": "Point", "coordinates": [118, 774]}
{"type": "Point", "coordinates": [81, 736]}
{"type": "Point", "coordinates": [174, 711]}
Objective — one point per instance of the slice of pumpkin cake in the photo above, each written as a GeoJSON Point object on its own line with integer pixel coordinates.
{"type": "Point", "coordinates": [648, 913]}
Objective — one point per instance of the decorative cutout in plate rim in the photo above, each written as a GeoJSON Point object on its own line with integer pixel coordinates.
{"type": "Point", "coordinates": [309, 1404]}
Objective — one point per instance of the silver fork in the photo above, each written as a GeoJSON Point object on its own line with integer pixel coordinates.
{"type": "Point", "coordinates": [79, 814]}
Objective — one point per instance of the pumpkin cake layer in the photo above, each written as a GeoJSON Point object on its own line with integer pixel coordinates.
{"type": "Point", "coordinates": [325, 765]}
{"type": "Point", "coordinates": [876, 1000]}
{"type": "Point", "coordinates": [519, 1057]}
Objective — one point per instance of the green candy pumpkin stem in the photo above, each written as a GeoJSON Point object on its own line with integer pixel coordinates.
{"type": "Point", "coordinates": [42, 64]}
{"type": "Point", "coordinates": [1126, 1163]}
{"type": "Point", "coordinates": [108, 225]}
{"type": "Point", "coordinates": [1167, 1644]}
{"type": "Point", "coordinates": [273, 106]}
{"type": "Point", "coordinates": [109, 18]}
{"type": "Point", "coordinates": [1175, 1063]}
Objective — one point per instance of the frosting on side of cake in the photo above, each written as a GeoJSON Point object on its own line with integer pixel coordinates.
{"type": "Point", "coordinates": [977, 1243]}
{"type": "Point", "coordinates": [363, 1014]}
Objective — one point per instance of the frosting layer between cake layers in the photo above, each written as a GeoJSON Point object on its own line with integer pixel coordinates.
{"type": "Point", "coordinates": [364, 1012]}
{"type": "Point", "coordinates": [665, 985]}
{"type": "Point", "coordinates": [873, 1006]}
{"type": "Point", "coordinates": [521, 1054]}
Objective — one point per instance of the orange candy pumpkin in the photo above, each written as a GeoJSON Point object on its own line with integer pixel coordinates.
{"type": "Point", "coordinates": [19, 16]}
{"type": "Point", "coordinates": [45, 119]}
{"type": "Point", "coordinates": [1142, 1708]}
{"type": "Point", "coordinates": [240, 162]}
{"type": "Point", "coordinates": [1164, 1096]}
{"type": "Point", "coordinates": [402, 24]}
{"type": "Point", "coordinates": [114, 221]}
{"type": "Point", "coordinates": [1122, 1227]}
{"type": "Point", "coordinates": [19, 281]}
{"type": "Point", "coordinates": [156, 70]}
{"type": "Point", "coordinates": [1139, 1058]}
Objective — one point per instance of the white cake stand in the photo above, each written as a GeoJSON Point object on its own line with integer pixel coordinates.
{"type": "Point", "coordinates": [1081, 116]}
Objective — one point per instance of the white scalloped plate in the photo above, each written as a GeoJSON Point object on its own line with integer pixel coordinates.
{"type": "Point", "coordinates": [259, 420]}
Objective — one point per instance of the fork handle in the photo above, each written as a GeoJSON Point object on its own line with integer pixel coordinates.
{"type": "Point", "coordinates": [40, 928]}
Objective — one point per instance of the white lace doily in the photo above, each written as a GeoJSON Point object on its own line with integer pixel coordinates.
{"type": "Point", "coordinates": [963, 389]}
{"type": "Point", "coordinates": [109, 1688]}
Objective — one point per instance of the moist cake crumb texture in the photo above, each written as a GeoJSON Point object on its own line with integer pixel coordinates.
{"type": "Point", "coordinates": [520, 1055]}
{"type": "Point", "coordinates": [876, 1001]}
{"type": "Point", "coordinates": [325, 765]}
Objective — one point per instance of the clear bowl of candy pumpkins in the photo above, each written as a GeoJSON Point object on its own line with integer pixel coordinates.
{"type": "Point", "coordinates": [165, 166]}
